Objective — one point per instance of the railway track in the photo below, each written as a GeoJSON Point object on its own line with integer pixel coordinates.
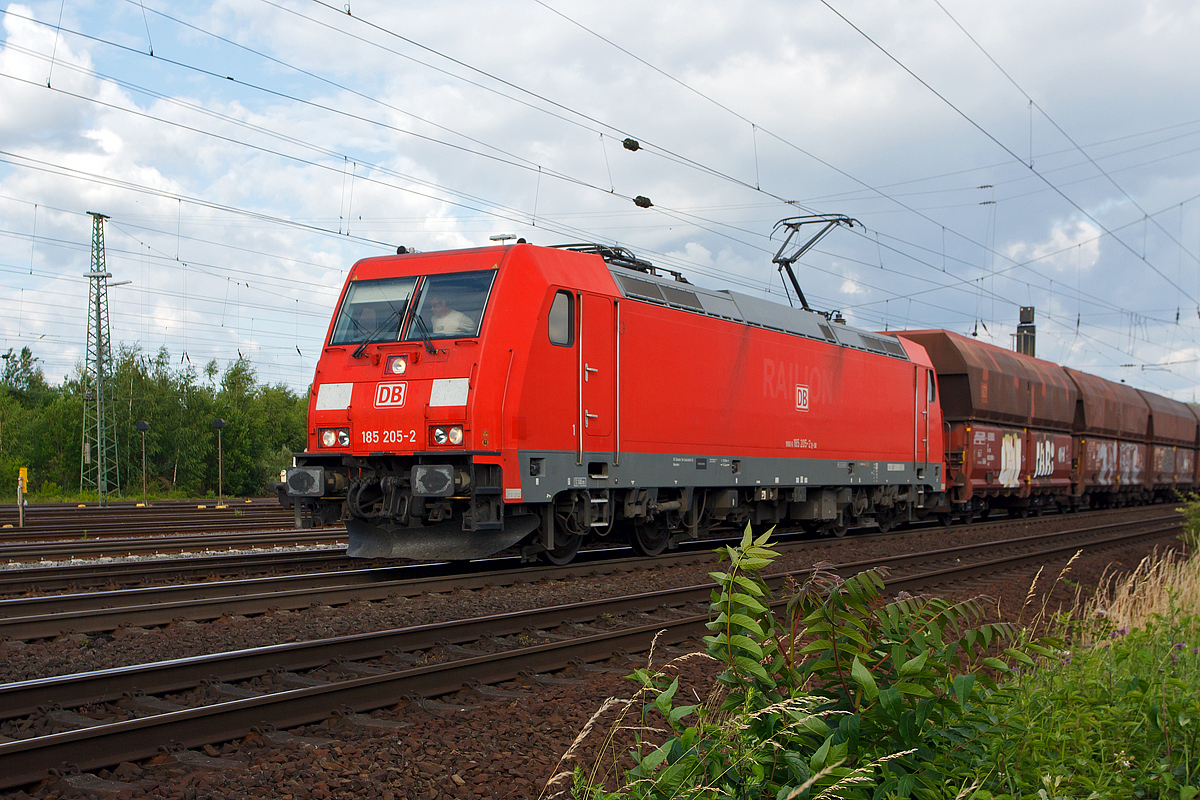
{"type": "Point", "coordinates": [91, 612]}
{"type": "Point", "coordinates": [150, 544]}
{"type": "Point", "coordinates": [225, 696]}
{"type": "Point", "coordinates": [61, 577]}
{"type": "Point", "coordinates": [65, 512]}
{"type": "Point", "coordinates": [60, 523]}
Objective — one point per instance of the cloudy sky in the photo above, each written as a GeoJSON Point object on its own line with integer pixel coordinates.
{"type": "Point", "coordinates": [247, 152]}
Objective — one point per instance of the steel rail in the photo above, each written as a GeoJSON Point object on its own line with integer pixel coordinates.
{"type": "Point", "coordinates": [8, 512]}
{"type": "Point", "coordinates": [26, 761]}
{"type": "Point", "coordinates": [25, 697]}
{"type": "Point", "coordinates": [124, 528]}
{"type": "Point", "coordinates": [27, 617]}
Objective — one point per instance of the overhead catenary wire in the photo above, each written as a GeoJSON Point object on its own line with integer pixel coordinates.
{"type": "Point", "coordinates": [1015, 157]}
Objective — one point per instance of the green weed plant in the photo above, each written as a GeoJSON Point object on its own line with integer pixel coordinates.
{"type": "Point", "coordinates": [1117, 717]}
{"type": "Point", "coordinates": [830, 691]}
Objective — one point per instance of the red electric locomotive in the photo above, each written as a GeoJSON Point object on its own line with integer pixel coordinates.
{"type": "Point", "coordinates": [469, 401]}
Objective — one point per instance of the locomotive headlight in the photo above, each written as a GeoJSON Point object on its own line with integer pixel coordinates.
{"type": "Point", "coordinates": [335, 437]}
{"type": "Point", "coordinates": [446, 435]}
{"type": "Point", "coordinates": [397, 365]}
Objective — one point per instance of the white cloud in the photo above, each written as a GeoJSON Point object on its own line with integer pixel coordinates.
{"type": "Point", "coordinates": [1070, 246]}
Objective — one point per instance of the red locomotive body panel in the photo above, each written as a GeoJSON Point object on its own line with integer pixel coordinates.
{"type": "Point", "coordinates": [809, 399]}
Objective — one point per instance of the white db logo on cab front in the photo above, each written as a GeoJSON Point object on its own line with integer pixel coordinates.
{"type": "Point", "coordinates": [390, 395]}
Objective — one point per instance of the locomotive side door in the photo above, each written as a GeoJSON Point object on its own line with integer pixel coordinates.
{"type": "Point", "coordinates": [598, 381]}
{"type": "Point", "coordinates": [926, 394]}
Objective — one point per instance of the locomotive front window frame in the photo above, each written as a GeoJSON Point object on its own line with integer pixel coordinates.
{"type": "Point", "coordinates": [450, 305]}
{"type": "Point", "coordinates": [373, 311]}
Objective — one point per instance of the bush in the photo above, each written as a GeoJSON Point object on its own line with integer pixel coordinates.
{"type": "Point", "coordinates": [843, 694]}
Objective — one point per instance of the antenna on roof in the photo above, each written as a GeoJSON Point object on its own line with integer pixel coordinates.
{"type": "Point", "coordinates": [793, 224]}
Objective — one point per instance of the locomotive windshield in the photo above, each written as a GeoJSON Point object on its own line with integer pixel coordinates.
{"type": "Point", "coordinates": [451, 306]}
{"type": "Point", "coordinates": [373, 311]}
{"type": "Point", "coordinates": [447, 306]}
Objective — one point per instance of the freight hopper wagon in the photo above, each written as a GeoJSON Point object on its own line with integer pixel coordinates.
{"type": "Point", "coordinates": [1025, 435]}
{"type": "Point", "coordinates": [469, 401]}
{"type": "Point", "coordinates": [1132, 446]}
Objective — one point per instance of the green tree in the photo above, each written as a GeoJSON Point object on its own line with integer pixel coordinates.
{"type": "Point", "coordinates": [22, 376]}
{"type": "Point", "coordinates": [41, 425]}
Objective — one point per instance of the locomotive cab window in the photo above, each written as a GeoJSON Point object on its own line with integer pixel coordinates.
{"type": "Point", "coordinates": [451, 306]}
{"type": "Point", "coordinates": [373, 311]}
{"type": "Point", "coordinates": [562, 320]}
{"type": "Point", "coordinates": [930, 387]}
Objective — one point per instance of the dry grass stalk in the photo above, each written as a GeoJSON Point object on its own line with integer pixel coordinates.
{"type": "Point", "coordinates": [561, 774]}
{"type": "Point", "coordinates": [1160, 582]}
{"type": "Point", "coordinates": [618, 726]}
{"type": "Point", "coordinates": [1042, 616]}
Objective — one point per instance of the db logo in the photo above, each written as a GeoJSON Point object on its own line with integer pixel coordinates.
{"type": "Point", "coordinates": [390, 395]}
{"type": "Point", "coordinates": [802, 398]}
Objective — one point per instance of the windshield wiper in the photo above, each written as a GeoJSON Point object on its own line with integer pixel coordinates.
{"type": "Point", "coordinates": [370, 338]}
{"type": "Point", "coordinates": [425, 337]}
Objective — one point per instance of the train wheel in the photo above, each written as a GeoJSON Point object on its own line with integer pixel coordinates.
{"type": "Point", "coordinates": [649, 539]}
{"type": "Point", "coordinates": [565, 548]}
{"type": "Point", "coordinates": [946, 520]}
{"type": "Point", "coordinates": [836, 528]}
{"type": "Point", "coordinates": [887, 519]}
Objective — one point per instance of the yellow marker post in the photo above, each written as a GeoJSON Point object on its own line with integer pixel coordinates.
{"type": "Point", "coordinates": [22, 481]}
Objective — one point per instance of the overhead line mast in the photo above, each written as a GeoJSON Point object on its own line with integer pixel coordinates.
{"type": "Point", "coordinates": [98, 466]}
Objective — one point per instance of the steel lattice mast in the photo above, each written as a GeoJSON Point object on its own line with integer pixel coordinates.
{"type": "Point", "coordinates": [98, 468]}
